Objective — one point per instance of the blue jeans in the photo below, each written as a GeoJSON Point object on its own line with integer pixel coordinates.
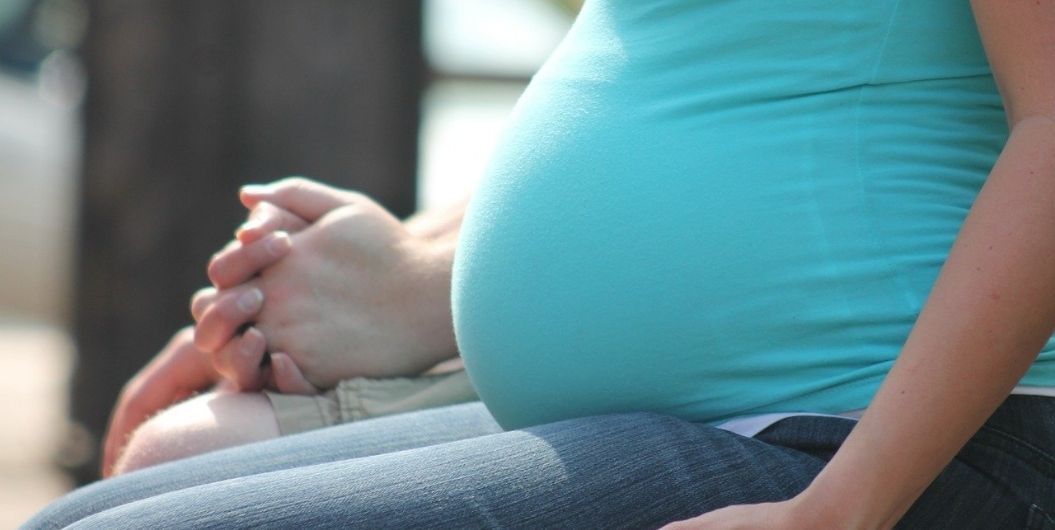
{"type": "Point", "coordinates": [455, 468]}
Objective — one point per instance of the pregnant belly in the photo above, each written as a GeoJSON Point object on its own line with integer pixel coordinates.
{"type": "Point", "coordinates": [710, 225]}
{"type": "Point", "coordinates": [588, 283]}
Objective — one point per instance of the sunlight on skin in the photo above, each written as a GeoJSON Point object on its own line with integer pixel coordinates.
{"type": "Point", "coordinates": [205, 423]}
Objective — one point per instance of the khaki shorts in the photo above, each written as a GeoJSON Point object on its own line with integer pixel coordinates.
{"type": "Point", "coordinates": [360, 398]}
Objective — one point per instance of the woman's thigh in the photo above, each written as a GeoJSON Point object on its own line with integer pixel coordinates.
{"type": "Point", "coordinates": [358, 439]}
{"type": "Point", "coordinates": [1003, 478]}
{"type": "Point", "coordinates": [620, 471]}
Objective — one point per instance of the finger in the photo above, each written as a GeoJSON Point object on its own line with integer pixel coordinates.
{"type": "Point", "coordinates": [201, 300]}
{"type": "Point", "coordinates": [234, 266]}
{"type": "Point", "coordinates": [305, 198]}
{"type": "Point", "coordinates": [177, 371]}
{"type": "Point", "coordinates": [128, 414]}
{"type": "Point", "coordinates": [225, 385]}
{"type": "Point", "coordinates": [230, 310]}
{"type": "Point", "coordinates": [266, 218]}
{"type": "Point", "coordinates": [287, 377]}
{"type": "Point", "coordinates": [239, 360]}
{"type": "Point", "coordinates": [230, 245]}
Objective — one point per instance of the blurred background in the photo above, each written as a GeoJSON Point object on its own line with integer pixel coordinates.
{"type": "Point", "coordinates": [126, 126]}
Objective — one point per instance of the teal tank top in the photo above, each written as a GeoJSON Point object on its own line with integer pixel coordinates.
{"type": "Point", "coordinates": [714, 209]}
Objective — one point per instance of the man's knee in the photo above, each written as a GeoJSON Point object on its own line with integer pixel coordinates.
{"type": "Point", "coordinates": [205, 423]}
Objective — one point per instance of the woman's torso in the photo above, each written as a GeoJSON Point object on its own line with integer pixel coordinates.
{"type": "Point", "coordinates": [721, 208]}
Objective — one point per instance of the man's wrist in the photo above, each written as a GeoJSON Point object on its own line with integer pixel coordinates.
{"type": "Point", "coordinates": [436, 223]}
{"type": "Point", "coordinates": [440, 261]}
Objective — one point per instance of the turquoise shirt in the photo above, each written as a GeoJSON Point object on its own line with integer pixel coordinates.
{"type": "Point", "coordinates": [721, 208]}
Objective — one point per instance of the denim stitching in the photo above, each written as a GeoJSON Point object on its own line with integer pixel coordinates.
{"type": "Point", "coordinates": [1047, 459]}
{"type": "Point", "coordinates": [1039, 519]}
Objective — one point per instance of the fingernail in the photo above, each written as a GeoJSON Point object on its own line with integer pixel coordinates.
{"type": "Point", "coordinates": [249, 302]}
{"type": "Point", "coordinates": [255, 189]}
{"type": "Point", "coordinates": [279, 245]}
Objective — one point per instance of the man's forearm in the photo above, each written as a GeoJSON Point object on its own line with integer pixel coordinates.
{"type": "Point", "coordinates": [989, 314]}
{"type": "Point", "coordinates": [437, 223]}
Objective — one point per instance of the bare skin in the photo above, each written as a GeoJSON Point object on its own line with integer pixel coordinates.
{"type": "Point", "coordinates": [176, 373]}
{"type": "Point", "coordinates": [224, 418]}
{"type": "Point", "coordinates": [181, 370]}
{"type": "Point", "coordinates": [358, 294]}
{"type": "Point", "coordinates": [207, 422]}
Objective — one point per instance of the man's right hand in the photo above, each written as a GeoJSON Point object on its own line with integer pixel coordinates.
{"type": "Point", "coordinates": [357, 294]}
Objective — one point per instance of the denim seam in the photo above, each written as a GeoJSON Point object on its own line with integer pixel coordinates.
{"type": "Point", "coordinates": [1045, 456]}
{"type": "Point", "coordinates": [1000, 486]}
{"type": "Point", "coordinates": [1039, 519]}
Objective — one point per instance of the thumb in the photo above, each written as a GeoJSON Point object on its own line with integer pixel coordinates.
{"type": "Point", "coordinates": [305, 198]}
{"type": "Point", "coordinates": [288, 378]}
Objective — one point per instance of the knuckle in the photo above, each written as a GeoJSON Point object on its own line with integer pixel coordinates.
{"type": "Point", "coordinates": [201, 297]}
{"type": "Point", "coordinates": [286, 219]}
{"type": "Point", "coordinates": [262, 208]}
{"type": "Point", "coordinates": [230, 271]}
{"type": "Point", "coordinates": [264, 212]}
{"type": "Point", "coordinates": [212, 331]}
{"type": "Point", "coordinates": [229, 246]}
{"type": "Point", "coordinates": [208, 338]}
{"type": "Point", "coordinates": [295, 182]}
{"type": "Point", "coordinates": [228, 312]}
{"type": "Point", "coordinates": [217, 256]}
{"type": "Point", "coordinates": [198, 308]}
{"type": "Point", "coordinates": [202, 340]}
{"type": "Point", "coordinates": [203, 292]}
{"type": "Point", "coordinates": [269, 222]}
{"type": "Point", "coordinates": [182, 337]}
{"type": "Point", "coordinates": [222, 363]}
{"type": "Point", "coordinates": [354, 197]}
{"type": "Point", "coordinates": [258, 253]}
{"type": "Point", "coordinates": [215, 271]}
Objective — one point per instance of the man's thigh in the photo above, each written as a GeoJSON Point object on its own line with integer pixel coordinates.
{"type": "Point", "coordinates": [208, 422]}
{"type": "Point", "coordinates": [349, 441]}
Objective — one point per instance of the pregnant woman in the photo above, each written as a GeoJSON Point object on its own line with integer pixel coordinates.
{"type": "Point", "coordinates": [740, 264]}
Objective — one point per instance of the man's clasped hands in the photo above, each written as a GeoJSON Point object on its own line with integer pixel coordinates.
{"type": "Point", "coordinates": [319, 285]}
